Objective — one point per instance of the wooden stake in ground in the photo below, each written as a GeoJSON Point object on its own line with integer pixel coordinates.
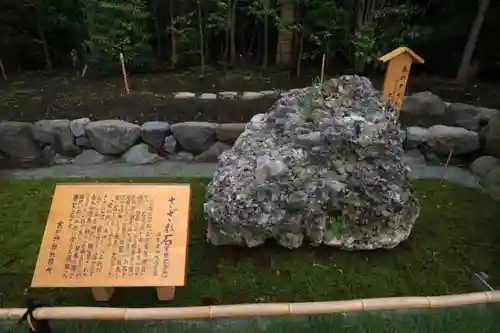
{"type": "Point", "coordinates": [445, 167]}
{"type": "Point", "coordinates": [84, 71]}
{"type": "Point", "coordinates": [323, 67]}
{"type": "Point", "coordinates": [397, 73]}
{"type": "Point", "coordinates": [4, 75]}
{"type": "Point", "coordinates": [124, 72]}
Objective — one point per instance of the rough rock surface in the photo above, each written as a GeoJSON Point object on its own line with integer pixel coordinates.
{"type": "Point", "coordinates": [195, 137]}
{"type": "Point", "coordinates": [56, 133]}
{"type": "Point", "coordinates": [18, 145]}
{"type": "Point", "coordinates": [325, 164]}
{"type": "Point", "coordinates": [154, 133]}
{"type": "Point", "coordinates": [443, 139]}
{"type": "Point", "coordinates": [112, 137]}
{"type": "Point", "coordinates": [140, 154]}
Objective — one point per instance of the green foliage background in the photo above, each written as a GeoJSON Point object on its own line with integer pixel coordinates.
{"type": "Point", "coordinates": [38, 34]}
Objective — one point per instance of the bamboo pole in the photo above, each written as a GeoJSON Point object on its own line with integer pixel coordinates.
{"type": "Point", "coordinates": [264, 309]}
{"type": "Point", "coordinates": [124, 72]}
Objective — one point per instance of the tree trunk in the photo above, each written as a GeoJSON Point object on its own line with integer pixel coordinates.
{"type": "Point", "coordinates": [285, 37]}
{"type": "Point", "coordinates": [471, 41]}
{"type": "Point", "coordinates": [172, 35]}
{"type": "Point", "coordinates": [202, 37]}
{"type": "Point", "coordinates": [299, 54]}
{"type": "Point", "coordinates": [41, 34]}
{"type": "Point", "coordinates": [232, 33]}
{"type": "Point", "coordinates": [265, 59]}
{"type": "Point", "coordinates": [157, 28]}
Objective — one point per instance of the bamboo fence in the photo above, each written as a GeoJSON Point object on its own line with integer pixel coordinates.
{"type": "Point", "coordinates": [261, 309]}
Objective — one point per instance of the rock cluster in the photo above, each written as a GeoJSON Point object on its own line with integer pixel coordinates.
{"type": "Point", "coordinates": [86, 142]}
{"type": "Point", "coordinates": [324, 165]}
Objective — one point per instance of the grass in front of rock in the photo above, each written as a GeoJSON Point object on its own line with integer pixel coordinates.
{"type": "Point", "coordinates": [456, 235]}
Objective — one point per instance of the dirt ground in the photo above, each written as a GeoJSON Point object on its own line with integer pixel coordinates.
{"type": "Point", "coordinates": [32, 96]}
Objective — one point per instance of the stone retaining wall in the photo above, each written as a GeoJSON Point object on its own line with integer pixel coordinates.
{"type": "Point", "coordinates": [433, 129]}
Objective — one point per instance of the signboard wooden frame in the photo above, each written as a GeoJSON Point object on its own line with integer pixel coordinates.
{"type": "Point", "coordinates": [106, 235]}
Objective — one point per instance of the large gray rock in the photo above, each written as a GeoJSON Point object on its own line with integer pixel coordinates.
{"type": "Point", "coordinates": [112, 137]}
{"type": "Point", "coordinates": [229, 132]}
{"type": "Point", "coordinates": [56, 133]}
{"type": "Point", "coordinates": [422, 109]}
{"type": "Point", "coordinates": [195, 137]}
{"type": "Point", "coordinates": [415, 136]}
{"type": "Point", "coordinates": [483, 165]}
{"type": "Point", "coordinates": [468, 116]}
{"type": "Point", "coordinates": [77, 126]}
{"type": "Point", "coordinates": [328, 169]}
{"type": "Point", "coordinates": [491, 136]}
{"type": "Point", "coordinates": [212, 154]}
{"type": "Point", "coordinates": [154, 133]}
{"type": "Point", "coordinates": [91, 157]}
{"type": "Point", "coordinates": [18, 146]}
{"type": "Point", "coordinates": [491, 182]}
{"type": "Point", "coordinates": [140, 154]}
{"type": "Point", "coordinates": [443, 139]}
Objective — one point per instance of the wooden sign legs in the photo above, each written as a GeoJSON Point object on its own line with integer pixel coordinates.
{"type": "Point", "coordinates": [165, 293]}
{"type": "Point", "coordinates": [104, 294]}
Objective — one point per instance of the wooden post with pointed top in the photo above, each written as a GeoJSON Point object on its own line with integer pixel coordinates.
{"type": "Point", "coordinates": [397, 73]}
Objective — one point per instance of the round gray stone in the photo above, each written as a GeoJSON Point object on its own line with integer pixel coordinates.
{"type": "Point", "coordinates": [483, 165]}
{"type": "Point", "coordinates": [112, 137]}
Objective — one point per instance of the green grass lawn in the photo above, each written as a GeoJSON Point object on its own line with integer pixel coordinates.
{"type": "Point", "coordinates": [457, 234]}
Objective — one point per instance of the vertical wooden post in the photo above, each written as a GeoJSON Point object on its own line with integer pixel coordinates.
{"type": "Point", "coordinates": [103, 294]}
{"type": "Point", "coordinates": [323, 68]}
{"type": "Point", "coordinates": [165, 293]}
{"type": "Point", "coordinates": [124, 72]}
{"type": "Point", "coordinates": [4, 75]}
{"type": "Point", "coordinates": [397, 74]}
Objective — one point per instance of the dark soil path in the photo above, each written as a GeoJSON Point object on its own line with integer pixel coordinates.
{"type": "Point", "coordinates": [31, 97]}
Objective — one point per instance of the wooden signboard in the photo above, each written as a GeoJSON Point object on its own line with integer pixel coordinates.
{"type": "Point", "coordinates": [397, 74]}
{"type": "Point", "coordinates": [103, 236]}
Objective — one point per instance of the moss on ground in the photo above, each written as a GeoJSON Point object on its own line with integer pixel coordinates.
{"type": "Point", "coordinates": [457, 234]}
